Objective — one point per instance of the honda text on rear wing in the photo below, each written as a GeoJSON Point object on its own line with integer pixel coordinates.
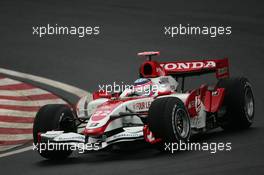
{"type": "Point", "coordinates": [151, 68]}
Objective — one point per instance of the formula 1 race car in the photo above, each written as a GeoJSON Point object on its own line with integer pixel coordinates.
{"type": "Point", "coordinates": [157, 109]}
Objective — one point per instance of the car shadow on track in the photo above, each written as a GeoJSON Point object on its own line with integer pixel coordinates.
{"type": "Point", "coordinates": [221, 135]}
{"type": "Point", "coordinates": [141, 151]}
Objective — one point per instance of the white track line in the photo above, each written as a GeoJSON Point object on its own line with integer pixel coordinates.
{"type": "Point", "coordinates": [17, 151]}
{"type": "Point", "coordinates": [11, 137]}
{"type": "Point", "coordinates": [31, 103]}
{"type": "Point", "coordinates": [27, 92]}
{"type": "Point", "coordinates": [56, 84]}
{"type": "Point", "coordinates": [16, 125]}
{"type": "Point", "coordinates": [7, 147]}
{"type": "Point", "coordinates": [8, 81]}
{"type": "Point", "coordinates": [16, 113]}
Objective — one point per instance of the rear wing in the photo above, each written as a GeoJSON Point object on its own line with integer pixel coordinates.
{"type": "Point", "coordinates": [189, 68]}
{"type": "Point", "coordinates": [152, 68]}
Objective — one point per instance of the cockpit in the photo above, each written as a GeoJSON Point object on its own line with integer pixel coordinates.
{"type": "Point", "coordinates": [149, 87]}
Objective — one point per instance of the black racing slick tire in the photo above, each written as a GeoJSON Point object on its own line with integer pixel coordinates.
{"type": "Point", "coordinates": [238, 103]}
{"type": "Point", "coordinates": [169, 120]}
{"type": "Point", "coordinates": [53, 117]}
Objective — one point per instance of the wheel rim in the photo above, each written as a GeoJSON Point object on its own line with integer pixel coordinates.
{"type": "Point", "coordinates": [249, 104]}
{"type": "Point", "coordinates": [182, 123]}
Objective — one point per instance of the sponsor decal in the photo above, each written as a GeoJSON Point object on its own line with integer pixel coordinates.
{"type": "Point", "coordinates": [126, 135]}
{"type": "Point", "coordinates": [104, 110]}
{"type": "Point", "coordinates": [198, 103]}
{"type": "Point", "coordinates": [188, 65]}
{"type": "Point", "coordinates": [69, 138]}
{"type": "Point", "coordinates": [93, 125]}
{"type": "Point", "coordinates": [102, 113]}
{"type": "Point", "coordinates": [141, 106]}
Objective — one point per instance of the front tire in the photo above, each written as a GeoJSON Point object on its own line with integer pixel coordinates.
{"type": "Point", "coordinates": [53, 117]}
{"type": "Point", "coordinates": [169, 120]}
{"type": "Point", "coordinates": [238, 103]}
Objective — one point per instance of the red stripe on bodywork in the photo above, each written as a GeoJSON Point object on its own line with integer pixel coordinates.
{"type": "Point", "coordinates": [15, 130]}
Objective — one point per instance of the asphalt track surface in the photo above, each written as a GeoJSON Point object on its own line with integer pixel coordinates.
{"type": "Point", "coordinates": [126, 28]}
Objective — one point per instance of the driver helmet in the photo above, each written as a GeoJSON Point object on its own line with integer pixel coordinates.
{"type": "Point", "coordinates": [143, 87]}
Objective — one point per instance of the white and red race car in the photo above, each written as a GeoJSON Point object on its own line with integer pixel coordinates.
{"type": "Point", "coordinates": [157, 109]}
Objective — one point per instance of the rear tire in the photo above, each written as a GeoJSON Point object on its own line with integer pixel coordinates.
{"type": "Point", "coordinates": [169, 120]}
{"type": "Point", "coordinates": [54, 117]}
{"type": "Point", "coordinates": [238, 103]}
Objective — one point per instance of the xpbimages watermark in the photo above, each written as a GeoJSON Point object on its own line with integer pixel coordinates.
{"type": "Point", "coordinates": [192, 146]}
{"type": "Point", "coordinates": [51, 146]}
{"type": "Point", "coordinates": [117, 88]}
{"type": "Point", "coordinates": [51, 30]}
{"type": "Point", "coordinates": [212, 31]}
